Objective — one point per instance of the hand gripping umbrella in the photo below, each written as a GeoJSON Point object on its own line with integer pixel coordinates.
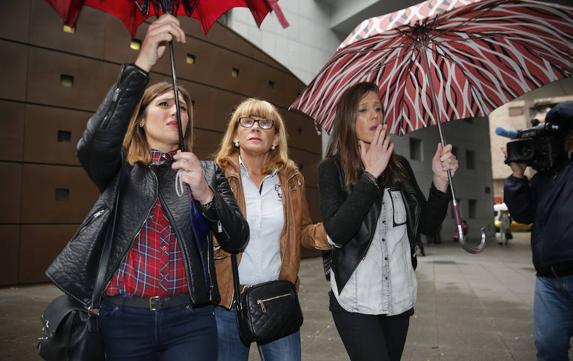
{"type": "Point", "coordinates": [134, 12]}
{"type": "Point", "coordinates": [443, 60]}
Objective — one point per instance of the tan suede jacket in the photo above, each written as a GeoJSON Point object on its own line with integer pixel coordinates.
{"type": "Point", "coordinates": [298, 229]}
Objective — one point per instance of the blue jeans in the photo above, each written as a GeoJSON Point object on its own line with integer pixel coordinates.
{"type": "Point", "coordinates": [553, 317]}
{"type": "Point", "coordinates": [174, 334]}
{"type": "Point", "coordinates": [231, 348]}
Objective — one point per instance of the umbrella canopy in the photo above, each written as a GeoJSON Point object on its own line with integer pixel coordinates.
{"type": "Point", "coordinates": [445, 59]}
{"type": "Point", "coordinates": [134, 12]}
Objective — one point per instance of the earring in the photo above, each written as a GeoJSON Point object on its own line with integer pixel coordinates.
{"type": "Point", "coordinates": [236, 143]}
{"type": "Point", "coordinates": [141, 124]}
{"type": "Point", "coordinates": [273, 147]}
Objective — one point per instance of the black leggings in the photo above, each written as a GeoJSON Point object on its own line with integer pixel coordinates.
{"type": "Point", "coordinates": [371, 337]}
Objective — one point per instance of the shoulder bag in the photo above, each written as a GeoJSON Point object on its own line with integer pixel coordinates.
{"type": "Point", "coordinates": [71, 332]}
{"type": "Point", "coordinates": [266, 311]}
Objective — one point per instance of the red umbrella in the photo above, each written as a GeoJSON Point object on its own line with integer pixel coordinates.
{"type": "Point", "coordinates": [134, 12]}
{"type": "Point", "coordinates": [445, 60]}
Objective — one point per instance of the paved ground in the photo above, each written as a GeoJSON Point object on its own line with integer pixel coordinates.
{"type": "Point", "coordinates": [470, 308]}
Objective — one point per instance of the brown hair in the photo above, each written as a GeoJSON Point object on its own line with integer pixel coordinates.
{"type": "Point", "coordinates": [135, 141]}
{"type": "Point", "coordinates": [344, 141]}
{"type": "Point", "coordinates": [278, 158]}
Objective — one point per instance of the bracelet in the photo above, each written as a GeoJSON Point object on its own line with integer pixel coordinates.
{"type": "Point", "coordinates": [207, 206]}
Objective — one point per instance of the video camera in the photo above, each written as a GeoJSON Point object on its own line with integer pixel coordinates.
{"type": "Point", "coordinates": [541, 147]}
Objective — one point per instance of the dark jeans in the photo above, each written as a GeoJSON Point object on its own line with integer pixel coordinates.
{"type": "Point", "coordinates": [371, 337]}
{"type": "Point", "coordinates": [179, 333]}
{"type": "Point", "coordinates": [231, 348]}
{"type": "Point", "coordinates": [553, 317]}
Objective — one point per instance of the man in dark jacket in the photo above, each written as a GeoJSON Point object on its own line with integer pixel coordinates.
{"type": "Point", "coordinates": [547, 201]}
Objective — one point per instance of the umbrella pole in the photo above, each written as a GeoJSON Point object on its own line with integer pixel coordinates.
{"type": "Point", "coordinates": [455, 205]}
{"type": "Point", "coordinates": [166, 7]}
{"type": "Point", "coordinates": [182, 145]}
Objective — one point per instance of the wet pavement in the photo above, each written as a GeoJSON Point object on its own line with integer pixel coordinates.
{"type": "Point", "coordinates": [470, 308]}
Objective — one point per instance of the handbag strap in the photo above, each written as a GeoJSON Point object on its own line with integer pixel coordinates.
{"type": "Point", "coordinates": [106, 249]}
{"type": "Point", "coordinates": [236, 283]}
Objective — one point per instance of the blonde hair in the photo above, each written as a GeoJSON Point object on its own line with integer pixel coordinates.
{"type": "Point", "coordinates": [135, 141]}
{"type": "Point", "coordinates": [277, 158]}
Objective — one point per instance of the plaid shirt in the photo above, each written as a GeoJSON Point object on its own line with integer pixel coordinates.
{"type": "Point", "coordinates": [154, 264]}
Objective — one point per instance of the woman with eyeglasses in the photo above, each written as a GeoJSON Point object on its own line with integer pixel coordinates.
{"type": "Point", "coordinates": [270, 192]}
{"type": "Point", "coordinates": [373, 211]}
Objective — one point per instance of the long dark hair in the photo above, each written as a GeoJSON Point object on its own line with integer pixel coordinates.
{"type": "Point", "coordinates": [344, 142]}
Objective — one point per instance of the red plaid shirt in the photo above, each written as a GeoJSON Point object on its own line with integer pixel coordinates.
{"type": "Point", "coordinates": [154, 263]}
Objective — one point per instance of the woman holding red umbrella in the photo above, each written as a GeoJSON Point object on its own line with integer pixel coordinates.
{"type": "Point", "coordinates": [373, 210]}
{"type": "Point", "coordinates": [160, 279]}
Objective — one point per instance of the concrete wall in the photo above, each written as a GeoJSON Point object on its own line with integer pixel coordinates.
{"type": "Point", "coordinates": [303, 47]}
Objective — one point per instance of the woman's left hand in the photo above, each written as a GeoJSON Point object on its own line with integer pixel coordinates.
{"type": "Point", "coordinates": [191, 172]}
{"type": "Point", "coordinates": [443, 161]}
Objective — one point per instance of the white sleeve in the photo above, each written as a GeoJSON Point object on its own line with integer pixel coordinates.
{"type": "Point", "coordinates": [331, 242]}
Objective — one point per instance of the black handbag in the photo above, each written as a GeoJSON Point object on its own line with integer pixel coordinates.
{"type": "Point", "coordinates": [71, 332]}
{"type": "Point", "coordinates": [266, 311]}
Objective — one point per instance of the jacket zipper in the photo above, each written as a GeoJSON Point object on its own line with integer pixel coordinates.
{"type": "Point", "coordinates": [95, 216]}
{"type": "Point", "coordinates": [261, 302]}
{"type": "Point", "coordinates": [220, 229]}
{"type": "Point", "coordinates": [181, 244]}
{"type": "Point", "coordinates": [115, 266]}
{"type": "Point", "coordinates": [111, 110]}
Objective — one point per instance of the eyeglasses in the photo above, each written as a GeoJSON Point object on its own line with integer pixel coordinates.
{"type": "Point", "coordinates": [248, 122]}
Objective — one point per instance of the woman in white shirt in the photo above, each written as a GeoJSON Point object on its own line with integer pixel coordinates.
{"type": "Point", "coordinates": [373, 210]}
{"type": "Point", "coordinates": [270, 191]}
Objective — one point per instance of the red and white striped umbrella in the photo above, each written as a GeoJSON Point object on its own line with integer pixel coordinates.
{"type": "Point", "coordinates": [442, 60]}
{"type": "Point", "coordinates": [446, 60]}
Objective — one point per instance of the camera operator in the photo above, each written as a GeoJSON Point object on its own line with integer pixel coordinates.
{"type": "Point", "coordinates": [547, 201]}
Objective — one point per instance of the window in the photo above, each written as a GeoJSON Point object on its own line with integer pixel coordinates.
{"type": "Point", "coordinates": [64, 136]}
{"type": "Point", "coordinates": [67, 81]}
{"type": "Point", "coordinates": [190, 59]}
{"type": "Point", "coordinates": [515, 111]}
{"type": "Point", "coordinates": [235, 73]}
{"type": "Point", "coordinates": [470, 159]}
{"type": "Point", "coordinates": [135, 44]}
{"type": "Point", "coordinates": [472, 208]}
{"type": "Point", "coordinates": [415, 149]}
{"type": "Point", "coordinates": [68, 29]}
{"type": "Point", "coordinates": [62, 194]}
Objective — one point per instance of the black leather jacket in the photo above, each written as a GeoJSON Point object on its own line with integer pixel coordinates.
{"type": "Point", "coordinates": [100, 153]}
{"type": "Point", "coordinates": [350, 218]}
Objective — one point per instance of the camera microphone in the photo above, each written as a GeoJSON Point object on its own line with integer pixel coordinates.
{"type": "Point", "coordinates": [507, 132]}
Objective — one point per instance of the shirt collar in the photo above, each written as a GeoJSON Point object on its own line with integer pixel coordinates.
{"type": "Point", "coordinates": [244, 169]}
